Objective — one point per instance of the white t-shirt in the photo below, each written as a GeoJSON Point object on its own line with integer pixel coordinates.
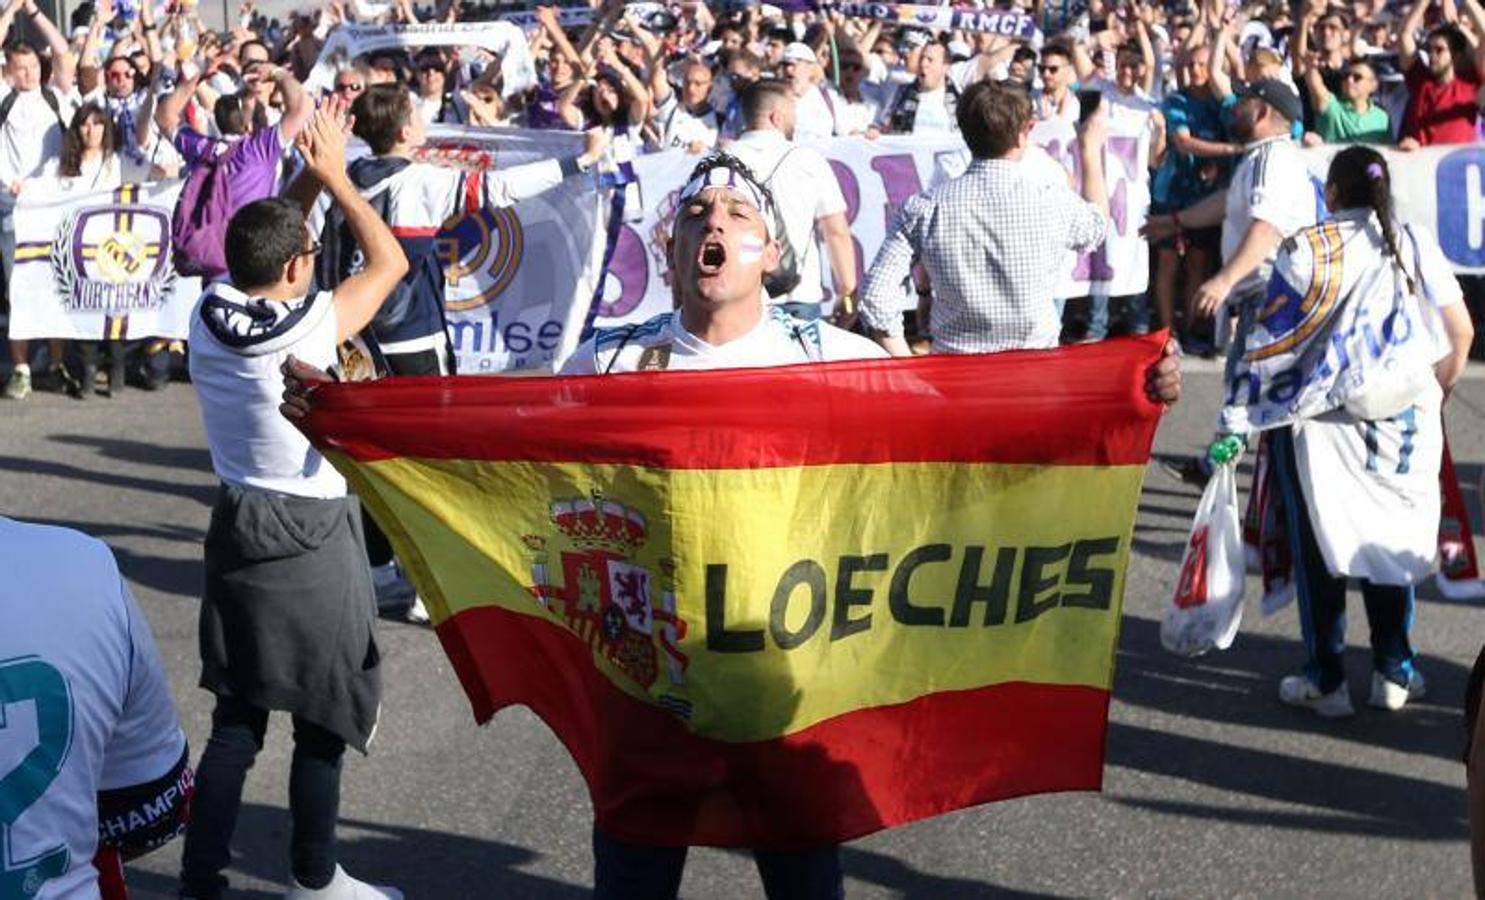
{"type": "Point", "coordinates": [680, 127]}
{"type": "Point", "coordinates": [237, 345]}
{"type": "Point", "coordinates": [1271, 183]}
{"type": "Point", "coordinates": [815, 114]}
{"type": "Point", "coordinates": [84, 703]}
{"type": "Point", "coordinates": [664, 343]}
{"type": "Point", "coordinates": [805, 189]}
{"type": "Point", "coordinates": [31, 134]}
{"type": "Point", "coordinates": [100, 173]}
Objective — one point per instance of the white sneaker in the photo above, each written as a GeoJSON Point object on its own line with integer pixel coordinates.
{"type": "Point", "coordinates": [392, 587]}
{"type": "Point", "coordinates": [1299, 690]}
{"type": "Point", "coordinates": [342, 887]}
{"type": "Point", "coordinates": [1388, 694]}
{"type": "Point", "coordinates": [417, 613]}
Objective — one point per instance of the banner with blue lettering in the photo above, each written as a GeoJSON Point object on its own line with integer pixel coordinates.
{"type": "Point", "coordinates": [519, 280]}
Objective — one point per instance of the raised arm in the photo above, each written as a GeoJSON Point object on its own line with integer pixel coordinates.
{"type": "Point", "coordinates": [1407, 34]}
{"type": "Point", "coordinates": [89, 66]}
{"type": "Point", "coordinates": [64, 69]}
{"type": "Point", "coordinates": [298, 105]}
{"type": "Point", "coordinates": [151, 33]}
{"type": "Point", "coordinates": [170, 110]}
{"type": "Point", "coordinates": [1476, 14]}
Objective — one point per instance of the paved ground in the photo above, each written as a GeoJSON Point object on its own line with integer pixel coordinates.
{"type": "Point", "coordinates": [1213, 788]}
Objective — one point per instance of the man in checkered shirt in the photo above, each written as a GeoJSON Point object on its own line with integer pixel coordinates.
{"type": "Point", "coordinates": [994, 240]}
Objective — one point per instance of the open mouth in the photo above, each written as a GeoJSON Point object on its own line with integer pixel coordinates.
{"type": "Point", "coordinates": [712, 257]}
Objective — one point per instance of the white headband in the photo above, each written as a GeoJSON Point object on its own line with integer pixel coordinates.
{"type": "Point", "coordinates": [724, 176]}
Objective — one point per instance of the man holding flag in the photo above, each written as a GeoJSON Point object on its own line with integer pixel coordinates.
{"type": "Point", "coordinates": [722, 247]}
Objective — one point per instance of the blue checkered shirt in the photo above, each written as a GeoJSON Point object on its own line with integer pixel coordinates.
{"type": "Point", "coordinates": [995, 244]}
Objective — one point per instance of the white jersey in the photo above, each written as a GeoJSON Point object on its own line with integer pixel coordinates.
{"type": "Point", "coordinates": [1126, 165]}
{"type": "Point", "coordinates": [1372, 486]}
{"type": "Point", "coordinates": [663, 342]}
{"type": "Point", "coordinates": [1271, 183]}
{"type": "Point", "coordinates": [32, 133]}
{"type": "Point", "coordinates": [84, 707]}
{"type": "Point", "coordinates": [815, 114]}
{"type": "Point", "coordinates": [682, 127]}
{"type": "Point", "coordinates": [805, 189]}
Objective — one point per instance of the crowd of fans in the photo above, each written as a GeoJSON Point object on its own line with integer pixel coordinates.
{"type": "Point", "coordinates": [84, 109]}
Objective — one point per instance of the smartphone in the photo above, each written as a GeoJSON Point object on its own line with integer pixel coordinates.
{"type": "Point", "coordinates": [1096, 26]}
{"type": "Point", "coordinates": [1088, 103]}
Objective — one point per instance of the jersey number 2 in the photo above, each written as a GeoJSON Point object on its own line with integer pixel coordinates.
{"type": "Point", "coordinates": [21, 680]}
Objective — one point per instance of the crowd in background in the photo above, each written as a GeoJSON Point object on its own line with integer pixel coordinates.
{"type": "Point", "coordinates": [82, 108]}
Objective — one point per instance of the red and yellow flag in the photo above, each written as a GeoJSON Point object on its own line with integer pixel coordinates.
{"type": "Point", "coordinates": [776, 607]}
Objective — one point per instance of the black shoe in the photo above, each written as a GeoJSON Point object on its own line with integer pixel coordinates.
{"type": "Point", "coordinates": [1187, 469]}
{"type": "Point", "coordinates": [66, 382]}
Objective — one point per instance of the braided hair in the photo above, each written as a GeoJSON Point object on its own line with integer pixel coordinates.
{"type": "Point", "coordinates": [1359, 179]}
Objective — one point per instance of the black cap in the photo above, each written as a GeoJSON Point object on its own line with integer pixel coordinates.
{"type": "Point", "coordinates": [1278, 95]}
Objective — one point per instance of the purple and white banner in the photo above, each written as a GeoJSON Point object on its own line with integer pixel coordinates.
{"type": "Point", "coordinates": [95, 265]}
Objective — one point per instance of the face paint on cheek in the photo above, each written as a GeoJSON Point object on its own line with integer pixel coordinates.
{"type": "Point", "coordinates": [749, 249]}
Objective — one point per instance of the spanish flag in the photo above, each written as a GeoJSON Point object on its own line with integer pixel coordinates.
{"type": "Point", "coordinates": [776, 608]}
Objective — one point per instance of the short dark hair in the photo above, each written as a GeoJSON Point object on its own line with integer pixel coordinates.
{"type": "Point", "coordinates": [381, 112]}
{"type": "Point", "coordinates": [991, 116]}
{"type": "Point", "coordinates": [760, 98]}
{"type": "Point", "coordinates": [261, 239]}
{"type": "Point", "coordinates": [229, 115]}
{"type": "Point", "coordinates": [21, 48]}
{"type": "Point", "coordinates": [1057, 48]}
{"type": "Point", "coordinates": [251, 42]}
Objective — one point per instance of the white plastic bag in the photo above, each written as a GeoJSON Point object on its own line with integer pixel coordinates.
{"type": "Point", "coordinates": [1208, 602]}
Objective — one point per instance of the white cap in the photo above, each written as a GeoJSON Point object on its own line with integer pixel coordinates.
{"type": "Point", "coordinates": [960, 50]}
{"type": "Point", "coordinates": [798, 52]}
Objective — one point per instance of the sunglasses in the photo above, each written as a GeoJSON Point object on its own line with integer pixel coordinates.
{"type": "Point", "coordinates": [120, 74]}
{"type": "Point", "coordinates": [1049, 70]}
{"type": "Point", "coordinates": [354, 87]}
{"type": "Point", "coordinates": [1356, 76]}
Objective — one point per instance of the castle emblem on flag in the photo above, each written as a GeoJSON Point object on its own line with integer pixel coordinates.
{"type": "Point", "coordinates": [589, 571]}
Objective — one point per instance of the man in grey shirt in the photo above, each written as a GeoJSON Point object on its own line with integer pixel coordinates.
{"type": "Point", "coordinates": [993, 240]}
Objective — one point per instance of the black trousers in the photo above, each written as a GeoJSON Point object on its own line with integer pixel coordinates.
{"type": "Point", "coordinates": [237, 730]}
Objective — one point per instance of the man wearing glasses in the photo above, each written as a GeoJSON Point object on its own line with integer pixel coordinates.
{"type": "Point", "coordinates": [288, 613]}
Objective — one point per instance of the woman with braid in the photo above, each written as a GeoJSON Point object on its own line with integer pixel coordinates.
{"type": "Point", "coordinates": [1361, 337]}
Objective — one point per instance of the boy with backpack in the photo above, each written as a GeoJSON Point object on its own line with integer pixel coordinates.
{"type": "Point", "coordinates": [222, 176]}
{"type": "Point", "coordinates": [415, 199]}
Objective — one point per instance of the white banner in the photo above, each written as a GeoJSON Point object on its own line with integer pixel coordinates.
{"type": "Point", "coordinates": [876, 177]}
{"type": "Point", "coordinates": [519, 280]}
{"type": "Point", "coordinates": [504, 39]}
{"type": "Point", "coordinates": [95, 266]}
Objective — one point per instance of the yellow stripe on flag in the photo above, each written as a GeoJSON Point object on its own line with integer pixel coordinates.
{"type": "Point", "coordinates": [783, 576]}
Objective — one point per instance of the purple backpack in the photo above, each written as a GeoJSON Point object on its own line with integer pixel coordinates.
{"type": "Point", "coordinates": [198, 228]}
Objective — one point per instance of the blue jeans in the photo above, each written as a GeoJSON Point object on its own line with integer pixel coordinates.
{"type": "Point", "coordinates": [1322, 596]}
{"type": "Point", "coordinates": [1134, 309]}
{"type": "Point", "coordinates": [625, 871]}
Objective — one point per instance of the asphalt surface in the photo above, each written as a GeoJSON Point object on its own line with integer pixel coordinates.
{"type": "Point", "coordinates": [1212, 788]}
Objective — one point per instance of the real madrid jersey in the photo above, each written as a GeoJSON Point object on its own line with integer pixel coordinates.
{"type": "Point", "coordinates": [1271, 183]}
{"type": "Point", "coordinates": [663, 342]}
{"type": "Point", "coordinates": [84, 708]}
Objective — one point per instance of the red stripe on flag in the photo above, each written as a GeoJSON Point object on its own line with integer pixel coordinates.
{"type": "Point", "coordinates": [414, 231]}
{"type": "Point", "coordinates": [654, 782]}
{"type": "Point", "coordinates": [1036, 407]}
